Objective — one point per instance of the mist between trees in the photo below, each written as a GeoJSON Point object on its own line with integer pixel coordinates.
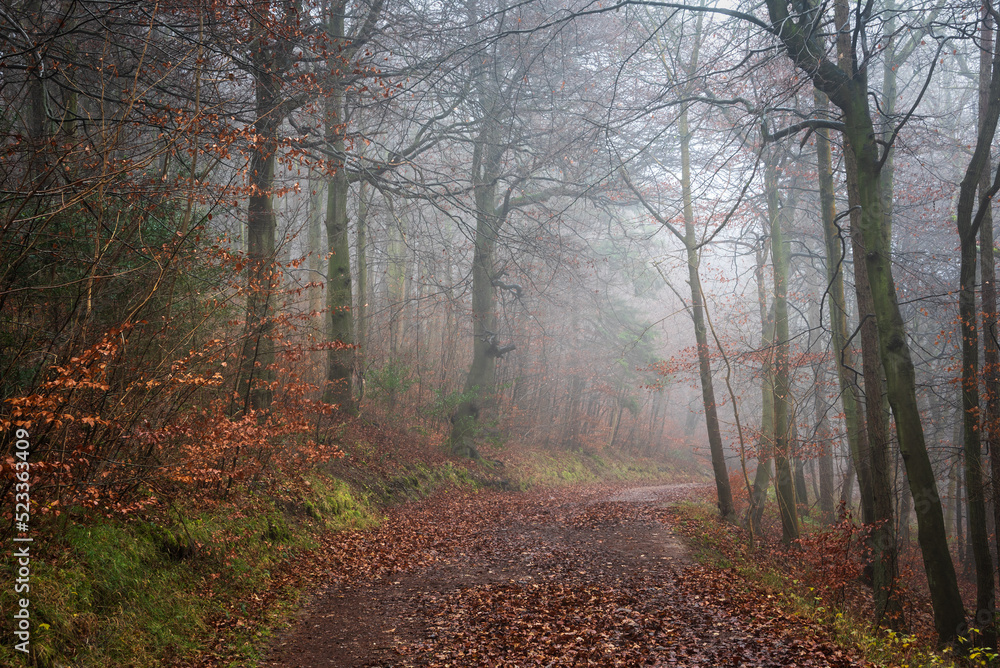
{"type": "Point", "coordinates": [755, 233]}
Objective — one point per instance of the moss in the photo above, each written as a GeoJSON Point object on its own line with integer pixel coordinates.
{"type": "Point", "coordinates": [115, 597]}
{"type": "Point", "coordinates": [336, 505]}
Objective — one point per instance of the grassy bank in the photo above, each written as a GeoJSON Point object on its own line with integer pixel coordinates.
{"type": "Point", "coordinates": [147, 591]}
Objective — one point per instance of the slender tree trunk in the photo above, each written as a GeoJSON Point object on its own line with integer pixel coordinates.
{"type": "Point", "coordinates": [765, 447]}
{"type": "Point", "coordinates": [37, 116]}
{"type": "Point", "coordinates": [974, 480]}
{"type": "Point", "coordinates": [879, 516]}
{"type": "Point", "coordinates": [784, 483]}
{"type": "Point", "coordinates": [798, 463]}
{"type": "Point", "coordinates": [890, 93]}
{"type": "Point", "coordinates": [396, 281]}
{"type": "Point", "coordinates": [988, 290]}
{"type": "Point", "coordinates": [968, 227]}
{"type": "Point", "coordinates": [725, 495]}
{"type": "Point", "coordinates": [960, 541]}
{"type": "Point", "coordinates": [836, 254]}
{"type": "Point", "coordinates": [826, 492]}
{"type": "Point", "coordinates": [801, 488]}
{"type": "Point", "coordinates": [361, 253]}
{"type": "Point", "coordinates": [316, 248]}
{"type": "Point", "coordinates": [847, 489]}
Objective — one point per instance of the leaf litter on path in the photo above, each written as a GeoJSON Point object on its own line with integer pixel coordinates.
{"type": "Point", "coordinates": [592, 577]}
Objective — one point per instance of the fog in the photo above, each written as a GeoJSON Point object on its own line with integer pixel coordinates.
{"type": "Point", "coordinates": [596, 228]}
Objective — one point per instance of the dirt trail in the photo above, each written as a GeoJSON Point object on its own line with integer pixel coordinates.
{"type": "Point", "coordinates": [550, 579]}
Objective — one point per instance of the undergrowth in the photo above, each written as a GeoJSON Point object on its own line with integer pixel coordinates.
{"type": "Point", "coordinates": [788, 577]}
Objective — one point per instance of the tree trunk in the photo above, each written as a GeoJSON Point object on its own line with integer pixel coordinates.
{"type": "Point", "coordinates": [784, 483]}
{"type": "Point", "coordinates": [316, 248]}
{"type": "Point", "coordinates": [968, 227]}
{"type": "Point", "coordinates": [361, 253]}
{"type": "Point", "coordinates": [340, 359]}
{"type": "Point", "coordinates": [836, 251]}
{"type": "Point", "coordinates": [37, 117]}
{"type": "Point", "coordinates": [826, 502]}
{"type": "Point", "coordinates": [725, 495]}
{"type": "Point", "coordinates": [878, 517]}
{"type": "Point", "coordinates": [396, 280]}
{"type": "Point", "coordinates": [801, 488]}
{"type": "Point", "coordinates": [988, 291]}
{"type": "Point", "coordinates": [765, 447]}
{"type": "Point", "coordinates": [258, 348]}
{"type": "Point", "coordinates": [895, 354]}
{"type": "Point", "coordinates": [486, 165]}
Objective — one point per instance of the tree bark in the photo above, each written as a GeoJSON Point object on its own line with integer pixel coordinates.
{"type": "Point", "coordinates": [968, 227]}
{"type": "Point", "coordinates": [37, 116]}
{"type": "Point", "coordinates": [988, 290]}
{"type": "Point", "coordinates": [725, 494]}
{"type": "Point", "coordinates": [784, 483]}
{"type": "Point", "coordinates": [258, 348]}
{"type": "Point", "coordinates": [486, 164]}
{"type": "Point", "coordinates": [836, 255]}
{"type": "Point", "coordinates": [765, 446]}
{"type": "Point", "coordinates": [317, 250]}
{"type": "Point", "coordinates": [361, 252]}
{"type": "Point", "coordinates": [340, 360]}
{"type": "Point", "coordinates": [396, 280]}
{"type": "Point", "coordinates": [826, 502]}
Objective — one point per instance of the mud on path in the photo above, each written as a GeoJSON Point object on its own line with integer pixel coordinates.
{"type": "Point", "coordinates": [593, 577]}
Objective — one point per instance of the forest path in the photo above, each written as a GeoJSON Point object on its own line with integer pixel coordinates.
{"type": "Point", "coordinates": [589, 576]}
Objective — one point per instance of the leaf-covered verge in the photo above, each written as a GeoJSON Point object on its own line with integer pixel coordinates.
{"type": "Point", "coordinates": [821, 580]}
{"type": "Point", "coordinates": [210, 576]}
